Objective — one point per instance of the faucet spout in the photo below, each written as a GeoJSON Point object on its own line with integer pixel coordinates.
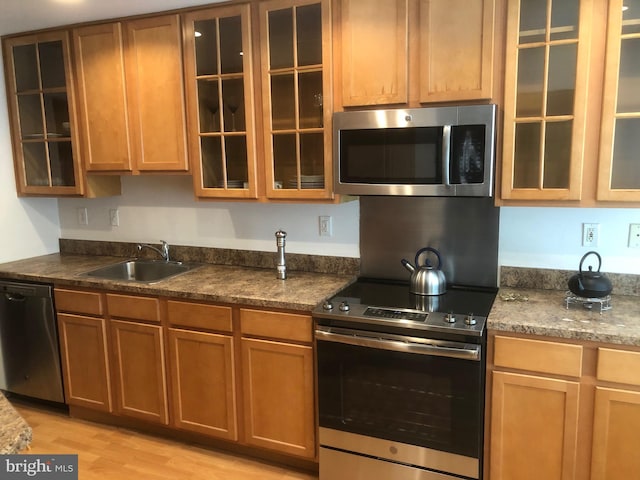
{"type": "Point", "coordinates": [163, 251]}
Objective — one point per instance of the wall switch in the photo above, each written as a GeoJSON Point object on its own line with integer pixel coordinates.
{"type": "Point", "coordinates": [634, 235]}
{"type": "Point", "coordinates": [83, 216]}
{"type": "Point", "coordinates": [325, 226]}
{"type": "Point", "coordinates": [590, 234]}
{"type": "Point", "coordinates": [114, 218]}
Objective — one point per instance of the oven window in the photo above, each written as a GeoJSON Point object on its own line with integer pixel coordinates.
{"type": "Point", "coordinates": [402, 156]}
{"type": "Point", "coordinates": [467, 154]}
{"type": "Point", "coordinates": [434, 402]}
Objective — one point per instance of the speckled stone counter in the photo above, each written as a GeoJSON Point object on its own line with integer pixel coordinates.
{"type": "Point", "coordinates": [215, 283]}
{"type": "Point", "coordinates": [15, 434]}
{"type": "Point", "coordinates": [537, 311]}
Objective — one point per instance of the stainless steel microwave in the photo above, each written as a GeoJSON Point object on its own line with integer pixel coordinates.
{"type": "Point", "coordinates": [431, 151]}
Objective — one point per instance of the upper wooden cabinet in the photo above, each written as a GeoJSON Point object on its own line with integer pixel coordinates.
{"type": "Point", "coordinates": [619, 171]}
{"type": "Point", "coordinates": [452, 41]}
{"type": "Point", "coordinates": [220, 101]}
{"type": "Point", "coordinates": [547, 59]}
{"type": "Point", "coordinates": [131, 95]}
{"type": "Point", "coordinates": [295, 39]}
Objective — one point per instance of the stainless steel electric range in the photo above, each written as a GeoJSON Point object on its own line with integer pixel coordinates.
{"type": "Point", "coordinates": [401, 382]}
{"type": "Point", "coordinates": [401, 377]}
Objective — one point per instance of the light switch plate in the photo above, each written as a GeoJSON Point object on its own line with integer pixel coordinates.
{"type": "Point", "coordinates": [634, 235]}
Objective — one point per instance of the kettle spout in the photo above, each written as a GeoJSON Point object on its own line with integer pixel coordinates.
{"type": "Point", "coordinates": [406, 264]}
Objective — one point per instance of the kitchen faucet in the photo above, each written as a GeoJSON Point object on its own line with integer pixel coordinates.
{"type": "Point", "coordinates": [163, 251]}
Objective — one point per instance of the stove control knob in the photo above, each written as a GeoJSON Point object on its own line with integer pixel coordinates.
{"type": "Point", "coordinates": [344, 307]}
{"type": "Point", "coordinates": [450, 318]}
{"type": "Point", "coordinates": [470, 319]}
{"type": "Point", "coordinates": [327, 305]}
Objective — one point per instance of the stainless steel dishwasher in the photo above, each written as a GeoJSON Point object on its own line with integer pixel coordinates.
{"type": "Point", "coordinates": [29, 351]}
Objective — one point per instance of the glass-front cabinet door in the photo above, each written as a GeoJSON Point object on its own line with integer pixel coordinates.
{"type": "Point", "coordinates": [295, 39]}
{"type": "Point", "coordinates": [545, 99]}
{"type": "Point", "coordinates": [220, 105]}
{"type": "Point", "coordinates": [619, 167]}
{"type": "Point", "coordinates": [40, 101]}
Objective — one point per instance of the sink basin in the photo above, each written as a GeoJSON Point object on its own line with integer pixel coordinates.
{"type": "Point", "coordinates": [146, 271]}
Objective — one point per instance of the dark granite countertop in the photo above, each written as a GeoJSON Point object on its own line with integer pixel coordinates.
{"type": "Point", "coordinates": [15, 433]}
{"type": "Point", "coordinates": [544, 312]}
{"type": "Point", "coordinates": [215, 283]}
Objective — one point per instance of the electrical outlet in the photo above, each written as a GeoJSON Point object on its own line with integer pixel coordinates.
{"type": "Point", "coordinates": [590, 234]}
{"type": "Point", "coordinates": [634, 235]}
{"type": "Point", "coordinates": [114, 218]}
{"type": "Point", "coordinates": [325, 226]}
{"type": "Point", "coordinates": [83, 216]}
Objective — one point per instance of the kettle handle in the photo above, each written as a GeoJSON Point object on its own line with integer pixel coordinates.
{"type": "Point", "coordinates": [586, 255]}
{"type": "Point", "coordinates": [428, 249]}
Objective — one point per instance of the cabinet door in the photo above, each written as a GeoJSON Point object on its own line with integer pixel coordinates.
{"type": "Point", "coordinates": [545, 99]}
{"type": "Point", "coordinates": [155, 93]}
{"type": "Point", "coordinates": [616, 441]}
{"type": "Point", "coordinates": [83, 347]}
{"type": "Point", "coordinates": [534, 428]}
{"type": "Point", "coordinates": [619, 171]}
{"type": "Point", "coordinates": [139, 370]}
{"type": "Point", "coordinates": [278, 396]}
{"type": "Point", "coordinates": [456, 50]}
{"type": "Point", "coordinates": [41, 105]}
{"type": "Point", "coordinates": [374, 49]}
{"type": "Point", "coordinates": [102, 102]}
{"type": "Point", "coordinates": [296, 78]}
{"type": "Point", "coordinates": [220, 102]}
{"type": "Point", "coordinates": [203, 383]}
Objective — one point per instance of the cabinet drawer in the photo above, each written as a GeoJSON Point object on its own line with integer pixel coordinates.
{"type": "Point", "coordinates": [76, 301]}
{"type": "Point", "coordinates": [199, 315]}
{"type": "Point", "coordinates": [286, 326]}
{"type": "Point", "coordinates": [538, 356]}
{"type": "Point", "coordinates": [135, 308]}
{"type": "Point", "coordinates": [619, 366]}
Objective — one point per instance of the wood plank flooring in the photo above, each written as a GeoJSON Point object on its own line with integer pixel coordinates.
{"type": "Point", "coordinates": [111, 453]}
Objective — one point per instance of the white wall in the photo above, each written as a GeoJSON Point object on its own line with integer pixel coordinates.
{"type": "Point", "coordinates": [552, 237]}
{"type": "Point", "coordinates": [163, 207]}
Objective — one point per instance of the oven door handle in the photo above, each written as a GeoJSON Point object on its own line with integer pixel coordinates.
{"type": "Point", "coordinates": [433, 347]}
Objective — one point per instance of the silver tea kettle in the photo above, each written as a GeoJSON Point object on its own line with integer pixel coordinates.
{"type": "Point", "coordinates": [426, 279]}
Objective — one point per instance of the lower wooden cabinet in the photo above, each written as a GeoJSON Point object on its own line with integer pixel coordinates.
{"type": "Point", "coordinates": [616, 435]}
{"type": "Point", "coordinates": [534, 427]}
{"type": "Point", "coordinates": [84, 349]}
{"type": "Point", "coordinates": [141, 386]}
{"type": "Point", "coordinates": [85, 363]}
{"type": "Point", "coordinates": [190, 366]}
{"type": "Point", "coordinates": [563, 411]}
{"type": "Point", "coordinates": [278, 396]}
{"type": "Point", "coordinates": [203, 383]}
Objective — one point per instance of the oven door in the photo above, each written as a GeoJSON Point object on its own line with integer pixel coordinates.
{"type": "Point", "coordinates": [423, 398]}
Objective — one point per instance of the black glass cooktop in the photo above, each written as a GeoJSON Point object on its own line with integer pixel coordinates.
{"type": "Point", "coordinates": [462, 300]}
{"type": "Point", "coordinates": [372, 303]}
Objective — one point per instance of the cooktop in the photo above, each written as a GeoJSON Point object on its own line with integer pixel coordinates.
{"type": "Point", "coordinates": [374, 302]}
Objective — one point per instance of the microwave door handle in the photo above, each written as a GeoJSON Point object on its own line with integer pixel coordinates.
{"type": "Point", "coordinates": [446, 155]}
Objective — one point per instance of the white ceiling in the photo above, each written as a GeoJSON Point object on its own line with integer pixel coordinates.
{"type": "Point", "coordinates": [24, 15]}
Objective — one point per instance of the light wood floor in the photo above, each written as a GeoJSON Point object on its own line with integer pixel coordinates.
{"type": "Point", "coordinates": [111, 453]}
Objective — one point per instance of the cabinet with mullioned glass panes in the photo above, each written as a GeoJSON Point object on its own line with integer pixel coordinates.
{"type": "Point", "coordinates": [220, 101]}
{"type": "Point", "coordinates": [545, 106]}
{"type": "Point", "coordinates": [40, 98]}
{"type": "Point", "coordinates": [296, 98]}
{"type": "Point", "coordinates": [619, 168]}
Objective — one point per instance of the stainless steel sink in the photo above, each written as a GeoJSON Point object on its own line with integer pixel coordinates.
{"type": "Point", "coordinates": [145, 271]}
